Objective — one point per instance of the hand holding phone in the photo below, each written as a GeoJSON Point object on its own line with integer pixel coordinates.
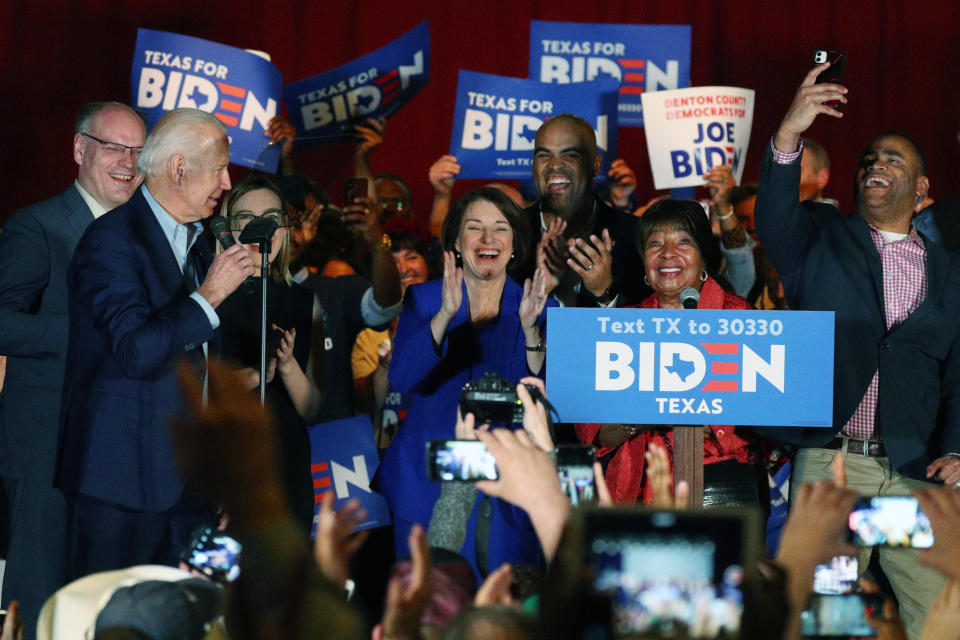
{"type": "Point", "coordinates": [214, 554]}
{"type": "Point", "coordinates": [834, 74]}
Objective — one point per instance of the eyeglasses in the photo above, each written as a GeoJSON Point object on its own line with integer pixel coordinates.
{"type": "Point", "coordinates": [115, 148]}
{"type": "Point", "coordinates": [239, 221]}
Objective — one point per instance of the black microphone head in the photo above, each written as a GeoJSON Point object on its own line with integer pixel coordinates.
{"type": "Point", "coordinates": [690, 298]}
{"type": "Point", "coordinates": [220, 227]}
{"type": "Point", "coordinates": [258, 230]}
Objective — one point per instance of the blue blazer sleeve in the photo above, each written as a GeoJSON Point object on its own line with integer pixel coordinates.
{"type": "Point", "coordinates": [414, 355]}
{"type": "Point", "coordinates": [784, 226]}
{"type": "Point", "coordinates": [114, 282]}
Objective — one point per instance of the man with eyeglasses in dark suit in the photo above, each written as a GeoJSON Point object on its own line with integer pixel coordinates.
{"type": "Point", "coordinates": [35, 248]}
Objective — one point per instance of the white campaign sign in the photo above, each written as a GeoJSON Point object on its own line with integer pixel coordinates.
{"type": "Point", "coordinates": [690, 131]}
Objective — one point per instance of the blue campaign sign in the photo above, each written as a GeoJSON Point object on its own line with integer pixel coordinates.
{"type": "Point", "coordinates": [496, 119]}
{"type": "Point", "coordinates": [343, 459]}
{"type": "Point", "coordinates": [668, 366]}
{"type": "Point", "coordinates": [325, 108]}
{"type": "Point", "coordinates": [241, 89]}
{"type": "Point", "coordinates": [640, 57]}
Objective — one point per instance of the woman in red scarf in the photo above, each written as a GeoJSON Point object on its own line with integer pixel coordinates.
{"type": "Point", "coordinates": [672, 237]}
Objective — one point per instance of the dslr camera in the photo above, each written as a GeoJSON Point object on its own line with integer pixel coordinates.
{"type": "Point", "coordinates": [492, 399]}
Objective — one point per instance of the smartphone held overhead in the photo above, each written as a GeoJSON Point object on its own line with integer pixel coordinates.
{"type": "Point", "coordinates": [834, 73]}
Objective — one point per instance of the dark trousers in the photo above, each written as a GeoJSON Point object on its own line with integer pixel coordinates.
{"type": "Point", "coordinates": [104, 536]}
{"type": "Point", "coordinates": [37, 556]}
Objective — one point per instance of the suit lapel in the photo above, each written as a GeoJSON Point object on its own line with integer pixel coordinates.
{"type": "Point", "coordinates": [938, 265]}
{"type": "Point", "coordinates": [76, 212]}
{"type": "Point", "coordinates": [156, 245]}
{"type": "Point", "coordinates": [860, 230]}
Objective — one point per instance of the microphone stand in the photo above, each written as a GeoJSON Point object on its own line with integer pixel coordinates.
{"type": "Point", "coordinates": [259, 232]}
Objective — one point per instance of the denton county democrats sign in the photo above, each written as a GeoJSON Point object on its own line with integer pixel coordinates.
{"type": "Point", "coordinates": [325, 108]}
{"type": "Point", "coordinates": [343, 459]}
{"type": "Point", "coordinates": [669, 366]}
{"type": "Point", "coordinates": [641, 58]}
{"type": "Point", "coordinates": [241, 89]}
{"type": "Point", "coordinates": [690, 131]}
{"type": "Point", "coordinates": [496, 119]}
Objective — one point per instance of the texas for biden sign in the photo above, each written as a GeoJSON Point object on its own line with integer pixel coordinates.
{"type": "Point", "coordinates": [639, 57]}
{"type": "Point", "coordinates": [240, 89]}
{"type": "Point", "coordinates": [325, 108]}
{"type": "Point", "coordinates": [496, 119]}
{"type": "Point", "coordinates": [664, 366]}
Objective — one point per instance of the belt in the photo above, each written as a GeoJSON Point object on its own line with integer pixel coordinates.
{"type": "Point", "coordinates": [859, 447]}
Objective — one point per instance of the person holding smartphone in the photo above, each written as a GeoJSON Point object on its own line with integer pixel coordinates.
{"type": "Point", "coordinates": [896, 297]}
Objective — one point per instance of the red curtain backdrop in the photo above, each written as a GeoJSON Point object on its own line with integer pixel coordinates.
{"type": "Point", "coordinates": [901, 70]}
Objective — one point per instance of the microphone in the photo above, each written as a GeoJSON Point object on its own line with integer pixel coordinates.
{"type": "Point", "coordinates": [220, 227]}
{"type": "Point", "coordinates": [690, 298]}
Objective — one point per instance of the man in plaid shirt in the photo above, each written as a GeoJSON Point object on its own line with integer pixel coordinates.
{"type": "Point", "coordinates": [896, 297]}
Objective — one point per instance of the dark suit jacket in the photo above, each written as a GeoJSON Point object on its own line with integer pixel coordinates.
{"type": "Point", "coordinates": [131, 318]}
{"type": "Point", "coordinates": [35, 249]}
{"type": "Point", "coordinates": [627, 263]}
{"type": "Point", "coordinates": [828, 262]}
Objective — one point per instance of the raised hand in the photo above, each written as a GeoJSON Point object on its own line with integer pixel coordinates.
{"type": "Point", "coordinates": [721, 182]}
{"type": "Point", "coordinates": [592, 261]}
{"type": "Point", "coordinates": [808, 103]}
{"type": "Point", "coordinates": [623, 182]}
{"type": "Point", "coordinates": [280, 130]}
{"type": "Point", "coordinates": [335, 541]}
{"type": "Point", "coordinates": [452, 285]}
{"type": "Point", "coordinates": [442, 174]}
{"type": "Point", "coordinates": [551, 253]}
{"type": "Point", "coordinates": [533, 300]}
{"type": "Point", "coordinates": [369, 135]}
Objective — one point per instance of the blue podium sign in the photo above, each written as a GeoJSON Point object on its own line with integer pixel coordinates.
{"type": "Point", "coordinates": [343, 459]}
{"type": "Point", "coordinates": [667, 366]}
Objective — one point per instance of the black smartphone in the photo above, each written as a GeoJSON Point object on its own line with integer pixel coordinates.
{"type": "Point", "coordinates": [837, 576]}
{"type": "Point", "coordinates": [575, 471]}
{"type": "Point", "coordinates": [214, 554]}
{"type": "Point", "coordinates": [839, 615]}
{"type": "Point", "coordinates": [460, 461]}
{"type": "Point", "coordinates": [274, 337]}
{"type": "Point", "coordinates": [834, 74]}
{"type": "Point", "coordinates": [677, 573]}
{"type": "Point", "coordinates": [356, 188]}
{"type": "Point", "coordinates": [890, 521]}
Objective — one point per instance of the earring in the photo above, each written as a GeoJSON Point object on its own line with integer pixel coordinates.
{"type": "Point", "coordinates": [645, 280]}
{"type": "Point", "coordinates": [512, 256]}
{"type": "Point", "coordinates": [703, 276]}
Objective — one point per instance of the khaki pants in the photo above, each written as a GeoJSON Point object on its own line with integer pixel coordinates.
{"type": "Point", "coordinates": [915, 585]}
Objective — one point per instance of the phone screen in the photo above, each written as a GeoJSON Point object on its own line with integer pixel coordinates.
{"type": "Point", "coordinates": [839, 615]}
{"type": "Point", "coordinates": [837, 576]}
{"type": "Point", "coordinates": [214, 554]}
{"type": "Point", "coordinates": [670, 574]}
{"type": "Point", "coordinates": [460, 461]}
{"type": "Point", "coordinates": [356, 188]}
{"type": "Point", "coordinates": [575, 471]}
{"type": "Point", "coordinates": [891, 521]}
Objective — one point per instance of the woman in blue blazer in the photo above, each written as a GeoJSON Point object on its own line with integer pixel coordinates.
{"type": "Point", "coordinates": [475, 320]}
